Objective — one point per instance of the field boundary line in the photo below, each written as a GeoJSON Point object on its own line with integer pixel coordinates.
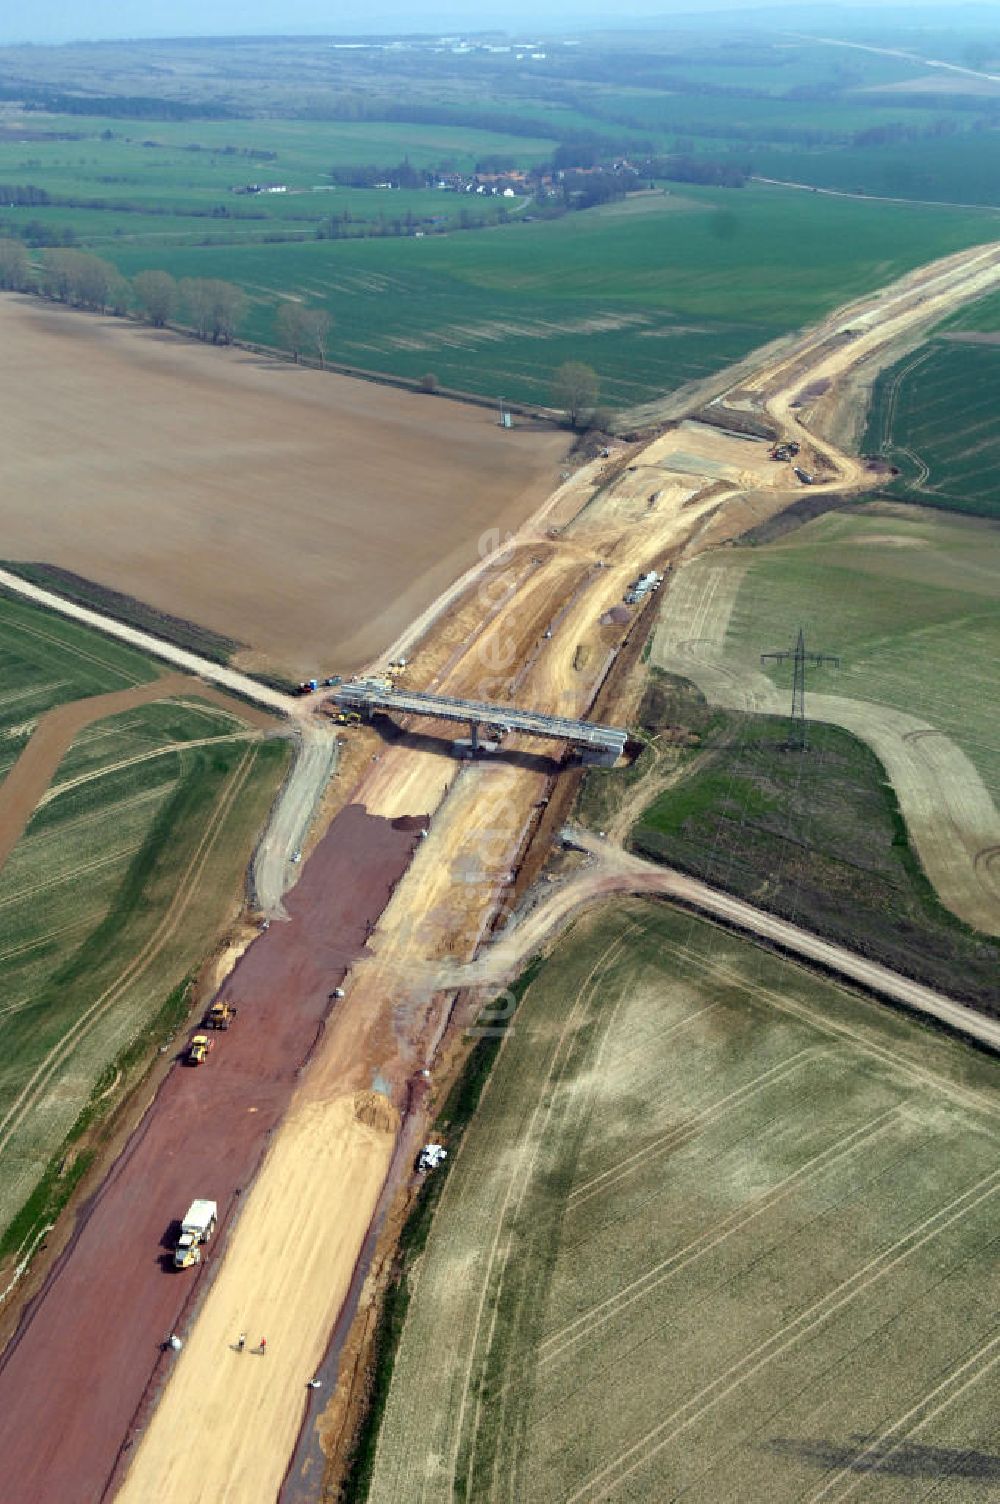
{"type": "Point", "coordinates": [186, 884]}
{"type": "Point", "coordinates": [552, 1349]}
{"type": "Point", "coordinates": [557, 1049]}
{"type": "Point", "coordinates": [789, 1335]}
{"type": "Point", "coordinates": [625, 1167]}
{"type": "Point", "coordinates": [850, 1473]}
{"type": "Point", "coordinates": [78, 652]}
{"type": "Point", "coordinates": [67, 877]}
{"type": "Point", "coordinates": [56, 789]}
{"type": "Point", "coordinates": [963, 1095]}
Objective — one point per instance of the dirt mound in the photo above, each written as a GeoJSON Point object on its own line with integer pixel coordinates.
{"type": "Point", "coordinates": [375, 1111]}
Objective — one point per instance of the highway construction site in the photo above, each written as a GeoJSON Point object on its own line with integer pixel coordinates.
{"type": "Point", "coordinates": [390, 913]}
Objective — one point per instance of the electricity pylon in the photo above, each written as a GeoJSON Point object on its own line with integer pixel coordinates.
{"type": "Point", "coordinates": [799, 658]}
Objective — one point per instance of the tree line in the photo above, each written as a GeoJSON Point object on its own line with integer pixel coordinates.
{"type": "Point", "coordinates": [211, 308]}
{"type": "Point", "coordinates": [214, 309]}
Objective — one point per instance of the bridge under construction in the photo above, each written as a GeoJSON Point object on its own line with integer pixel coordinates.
{"type": "Point", "coordinates": [602, 744]}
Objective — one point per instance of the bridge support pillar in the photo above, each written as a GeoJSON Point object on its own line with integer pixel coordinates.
{"type": "Point", "coordinates": [474, 735]}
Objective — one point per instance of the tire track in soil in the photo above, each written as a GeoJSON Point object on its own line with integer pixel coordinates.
{"type": "Point", "coordinates": [683, 1131]}
{"type": "Point", "coordinates": [559, 1342]}
{"type": "Point", "coordinates": [871, 1458]}
{"type": "Point", "coordinates": [816, 1315]}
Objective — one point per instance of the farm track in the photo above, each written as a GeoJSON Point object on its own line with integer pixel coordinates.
{"type": "Point", "coordinates": [613, 871]}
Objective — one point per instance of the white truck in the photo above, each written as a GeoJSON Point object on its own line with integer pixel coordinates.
{"type": "Point", "coordinates": [196, 1228]}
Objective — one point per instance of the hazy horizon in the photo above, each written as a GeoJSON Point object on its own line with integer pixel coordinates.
{"type": "Point", "coordinates": [55, 21]}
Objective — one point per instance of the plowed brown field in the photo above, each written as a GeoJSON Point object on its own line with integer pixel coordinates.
{"type": "Point", "coordinates": [305, 514]}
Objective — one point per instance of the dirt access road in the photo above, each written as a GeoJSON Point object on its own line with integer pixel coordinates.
{"type": "Point", "coordinates": [611, 871]}
{"type": "Point", "coordinates": [304, 514]}
{"type": "Point", "coordinates": [535, 628]}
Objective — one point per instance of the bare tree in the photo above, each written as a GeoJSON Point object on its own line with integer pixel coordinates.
{"type": "Point", "coordinates": [196, 296]}
{"type": "Point", "coordinates": [84, 280]}
{"type": "Point", "coordinates": [156, 293]}
{"type": "Point", "coordinates": [228, 308]}
{"type": "Point", "coordinates": [214, 308]}
{"type": "Point", "coordinates": [58, 276]}
{"type": "Point", "coordinates": [574, 389]}
{"type": "Point", "coordinates": [318, 326]}
{"type": "Point", "coordinates": [291, 323]}
{"type": "Point", "coordinates": [15, 273]}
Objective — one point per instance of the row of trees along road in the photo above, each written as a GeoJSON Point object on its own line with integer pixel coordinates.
{"type": "Point", "coordinates": [214, 310]}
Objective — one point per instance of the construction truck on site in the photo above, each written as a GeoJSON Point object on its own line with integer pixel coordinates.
{"type": "Point", "coordinates": [198, 1049]}
{"type": "Point", "coordinates": [219, 1016]}
{"type": "Point", "coordinates": [196, 1229]}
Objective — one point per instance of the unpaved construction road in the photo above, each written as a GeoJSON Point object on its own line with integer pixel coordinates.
{"type": "Point", "coordinates": [534, 627]}
{"type": "Point", "coordinates": [613, 871]}
{"type": "Point", "coordinates": [86, 1361]}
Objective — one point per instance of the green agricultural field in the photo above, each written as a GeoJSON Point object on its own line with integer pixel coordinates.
{"type": "Point", "coordinates": [909, 599]}
{"type": "Point", "coordinates": [960, 169]}
{"type": "Point", "coordinates": [817, 839]}
{"type": "Point", "coordinates": [48, 660]}
{"type": "Point", "coordinates": [116, 890]}
{"type": "Point", "coordinates": [717, 1231]}
{"type": "Point", "coordinates": [651, 300]}
{"type": "Point", "coordinates": [934, 416]}
{"type": "Point", "coordinates": [163, 183]}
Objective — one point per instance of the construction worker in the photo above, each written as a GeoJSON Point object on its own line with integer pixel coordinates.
{"type": "Point", "coordinates": [263, 1346]}
{"type": "Point", "coordinates": [241, 1344]}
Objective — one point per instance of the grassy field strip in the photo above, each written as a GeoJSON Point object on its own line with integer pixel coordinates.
{"type": "Point", "coordinates": [712, 966]}
{"type": "Point", "coordinates": [533, 1140]}
{"type": "Point", "coordinates": [130, 762]}
{"type": "Point", "coordinates": [45, 690]}
{"type": "Point", "coordinates": [173, 916]}
{"type": "Point", "coordinates": [737, 1317]}
{"type": "Point", "coordinates": [42, 940]}
{"type": "Point", "coordinates": [670, 1140]}
{"type": "Point", "coordinates": [70, 874]}
{"type": "Point", "coordinates": [83, 654]}
{"type": "Point", "coordinates": [559, 1342]}
{"type": "Point", "coordinates": [875, 1454]}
